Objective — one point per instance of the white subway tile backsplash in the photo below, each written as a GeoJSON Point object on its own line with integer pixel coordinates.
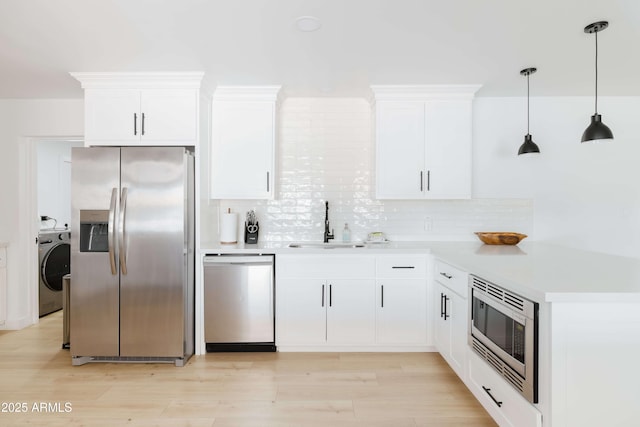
{"type": "Point", "coordinates": [326, 152]}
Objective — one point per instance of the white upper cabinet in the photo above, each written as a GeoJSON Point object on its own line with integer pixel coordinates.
{"type": "Point", "coordinates": [423, 141]}
{"type": "Point", "coordinates": [141, 108]}
{"type": "Point", "coordinates": [243, 142]}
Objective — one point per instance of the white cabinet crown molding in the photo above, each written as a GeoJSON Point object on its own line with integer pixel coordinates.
{"type": "Point", "coordinates": [423, 92]}
{"type": "Point", "coordinates": [247, 93]}
{"type": "Point", "coordinates": [141, 80]}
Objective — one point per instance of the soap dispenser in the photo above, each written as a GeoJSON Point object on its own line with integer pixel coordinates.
{"type": "Point", "coordinates": [346, 233]}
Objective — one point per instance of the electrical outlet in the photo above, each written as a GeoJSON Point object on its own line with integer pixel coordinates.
{"type": "Point", "coordinates": [428, 223]}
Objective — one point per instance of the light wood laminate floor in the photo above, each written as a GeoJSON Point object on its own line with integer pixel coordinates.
{"type": "Point", "coordinates": [230, 389]}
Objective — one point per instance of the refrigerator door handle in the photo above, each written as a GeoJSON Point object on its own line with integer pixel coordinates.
{"type": "Point", "coordinates": [111, 230]}
{"type": "Point", "coordinates": [121, 231]}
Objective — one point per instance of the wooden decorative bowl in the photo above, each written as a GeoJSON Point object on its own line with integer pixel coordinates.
{"type": "Point", "coordinates": [500, 237]}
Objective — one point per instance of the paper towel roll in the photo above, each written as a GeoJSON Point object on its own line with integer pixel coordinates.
{"type": "Point", "coordinates": [229, 228]}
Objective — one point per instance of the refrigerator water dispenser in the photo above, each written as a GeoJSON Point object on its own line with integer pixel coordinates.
{"type": "Point", "coordinates": [94, 231]}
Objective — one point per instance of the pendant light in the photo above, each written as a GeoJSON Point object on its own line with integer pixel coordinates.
{"type": "Point", "coordinates": [528, 146]}
{"type": "Point", "coordinates": [596, 130]}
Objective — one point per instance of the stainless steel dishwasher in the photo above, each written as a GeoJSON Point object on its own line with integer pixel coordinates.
{"type": "Point", "coordinates": [239, 303]}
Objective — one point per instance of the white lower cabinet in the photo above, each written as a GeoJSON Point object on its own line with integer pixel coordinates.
{"type": "Point", "coordinates": [301, 311]}
{"type": "Point", "coordinates": [451, 315]}
{"type": "Point", "coordinates": [324, 300]}
{"type": "Point", "coordinates": [357, 301]}
{"type": "Point", "coordinates": [503, 402]}
{"type": "Point", "coordinates": [350, 312]}
{"type": "Point", "coordinates": [450, 328]}
{"type": "Point", "coordinates": [401, 300]}
{"type": "Point", "coordinates": [332, 311]}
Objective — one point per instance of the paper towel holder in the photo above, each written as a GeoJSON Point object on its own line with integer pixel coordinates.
{"type": "Point", "coordinates": [229, 228]}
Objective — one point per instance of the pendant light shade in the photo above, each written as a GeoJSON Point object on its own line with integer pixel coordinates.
{"type": "Point", "coordinates": [528, 146]}
{"type": "Point", "coordinates": [596, 130]}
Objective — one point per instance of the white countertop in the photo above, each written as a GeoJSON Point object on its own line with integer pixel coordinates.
{"type": "Point", "coordinates": [537, 271]}
{"type": "Point", "coordinates": [544, 272]}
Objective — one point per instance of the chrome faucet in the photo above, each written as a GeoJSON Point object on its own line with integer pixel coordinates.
{"type": "Point", "coordinates": [327, 235]}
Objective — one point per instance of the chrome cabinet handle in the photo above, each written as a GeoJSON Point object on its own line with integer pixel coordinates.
{"type": "Point", "coordinates": [121, 229]}
{"type": "Point", "coordinates": [441, 305]}
{"type": "Point", "coordinates": [421, 181]}
{"type": "Point", "coordinates": [135, 123]}
{"type": "Point", "coordinates": [323, 295]}
{"type": "Point", "coordinates": [382, 296]}
{"type": "Point", "coordinates": [448, 276]}
{"type": "Point", "coordinates": [267, 181]}
{"type": "Point", "coordinates": [428, 178]}
{"type": "Point", "coordinates": [111, 230]}
{"type": "Point", "coordinates": [488, 391]}
{"type": "Point", "coordinates": [142, 133]}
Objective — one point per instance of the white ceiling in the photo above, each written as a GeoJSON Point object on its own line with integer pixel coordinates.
{"type": "Point", "coordinates": [361, 42]}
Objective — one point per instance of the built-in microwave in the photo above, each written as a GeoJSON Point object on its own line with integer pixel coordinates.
{"type": "Point", "coordinates": [504, 332]}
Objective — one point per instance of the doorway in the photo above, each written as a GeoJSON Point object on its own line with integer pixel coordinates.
{"type": "Point", "coordinates": [47, 193]}
{"type": "Point", "coordinates": [54, 182]}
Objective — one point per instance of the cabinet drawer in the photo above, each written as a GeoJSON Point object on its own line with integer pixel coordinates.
{"type": "Point", "coordinates": [326, 266]}
{"type": "Point", "coordinates": [502, 401]}
{"type": "Point", "coordinates": [453, 278]}
{"type": "Point", "coordinates": [401, 266]}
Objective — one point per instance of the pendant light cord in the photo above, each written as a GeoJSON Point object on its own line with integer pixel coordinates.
{"type": "Point", "coordinates": [527, 104]}
{"type": "Point", "coordinates": [596, 33]}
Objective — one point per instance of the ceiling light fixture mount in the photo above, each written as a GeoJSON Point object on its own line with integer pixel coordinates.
{"type": "Point", "coordinates": [308, 24]}
{"type": "Point", "coordinates": [597, 130]}
{"type": "Point", "coordinates": [528, 146]}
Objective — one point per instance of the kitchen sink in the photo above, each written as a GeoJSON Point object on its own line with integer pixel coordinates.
{"type": "Point", "coordinates": [330, 245]}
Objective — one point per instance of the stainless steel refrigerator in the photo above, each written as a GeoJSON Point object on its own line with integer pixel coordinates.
{"type": "Point", "coordinates": [132, 254]}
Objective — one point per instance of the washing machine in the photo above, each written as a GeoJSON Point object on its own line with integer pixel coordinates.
{"type": "Point", "coordinates": [54, 263]}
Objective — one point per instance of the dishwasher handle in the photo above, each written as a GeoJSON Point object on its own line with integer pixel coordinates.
{"type": "Point", "coordinates": [238, 260]}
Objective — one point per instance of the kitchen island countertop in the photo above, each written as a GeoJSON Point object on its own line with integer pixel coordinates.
{"type": "Point", "coordinates": [537, 271]}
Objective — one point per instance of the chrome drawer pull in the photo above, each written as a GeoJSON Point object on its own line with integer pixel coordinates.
{"type": "Point", "coordinates": [448, 276]}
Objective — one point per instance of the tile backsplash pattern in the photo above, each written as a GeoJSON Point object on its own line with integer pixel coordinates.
{"type": "Point", "coordinates": [326, 152]}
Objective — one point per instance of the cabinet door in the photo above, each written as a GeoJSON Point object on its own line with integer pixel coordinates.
{"type": "Point", "coordinates": [401, 311]}
{"type": "Point", "coordinates": [448, 149]}
{"type": "Point", "coordinates": [112, 117]}
{"type": "Point", "coordinates": [351, 312]}
{"type": "Point", "coordinates": [169, 117]}
{"type": "Point", "coordinates": [400, 138]}
{"type": "Point", "coordinates": [242, 150]}
{"type": "Point", "coordinates": [451, 327]}
{"type": "Point", "coordinates": [458, 309]}
{"type": "Point", "coordinates": [301, 311]}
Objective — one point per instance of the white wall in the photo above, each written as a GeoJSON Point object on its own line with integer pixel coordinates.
{"type": "Point", "coordinates": [585, 196]}
{"type": "Point", "coordinates": [19, 121]}
{"type": "Point", "coordinates": [54, 181]}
